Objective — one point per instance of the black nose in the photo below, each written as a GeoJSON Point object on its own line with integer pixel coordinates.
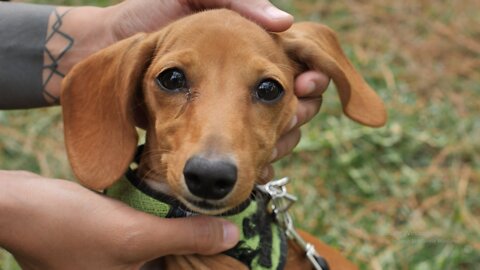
{"type": "Point", "coordinates": [209, 178]}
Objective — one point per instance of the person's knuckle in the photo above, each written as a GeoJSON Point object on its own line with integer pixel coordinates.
{"type": "Point", "coordinates": [127, 240]}
{"type": "Point", "coordinates": [296, 135]}
{"type": "Point", "coordinates": [308, 110]}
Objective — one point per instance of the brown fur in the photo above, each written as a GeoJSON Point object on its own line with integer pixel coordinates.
{"type": "Point", "coordinates": [224, 56]}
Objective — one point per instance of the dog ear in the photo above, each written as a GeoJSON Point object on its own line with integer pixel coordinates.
{"type": "Point", "coordinates": [315, 46]}
{"type": "Point", "coordinates": [98, 99]}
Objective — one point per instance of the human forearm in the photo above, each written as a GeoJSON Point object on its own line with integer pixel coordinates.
{"type": "Point", "coordinates": [22, 35]}
{"type": "Point", "coordinates": [39, 45]}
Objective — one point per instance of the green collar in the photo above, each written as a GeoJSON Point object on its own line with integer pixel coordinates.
{"type": "Point", "coordinates": [262, 243]}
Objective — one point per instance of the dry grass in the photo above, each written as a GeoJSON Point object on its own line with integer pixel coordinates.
{"type": "Point", "coordinates": [405, 196]}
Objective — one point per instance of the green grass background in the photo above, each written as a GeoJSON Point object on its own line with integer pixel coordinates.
{"type": "Point", "coordinates": [404, 196]}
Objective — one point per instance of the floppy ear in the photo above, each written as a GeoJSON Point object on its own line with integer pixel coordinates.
{"type": "Point", "coordinates": [97, 99]}
{"type": "Point", "coordinates": [316, 47]}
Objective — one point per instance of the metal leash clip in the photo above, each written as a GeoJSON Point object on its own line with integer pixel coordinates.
{"type": "Point", "coordinates": [281, 202]}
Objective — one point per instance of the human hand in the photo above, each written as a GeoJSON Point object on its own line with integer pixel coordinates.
{"type": "Point", "coordinates": [131, 16]}
{"type": "Point", "coordinates": [309, 87]}
{"type": "Point", "coordinates": [146, 16]}
{"type": "Point", "coordinates": [56, 224]}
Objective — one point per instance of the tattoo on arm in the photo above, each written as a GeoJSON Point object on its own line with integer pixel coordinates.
{"type": "Point", "coordinates": [51, 69]}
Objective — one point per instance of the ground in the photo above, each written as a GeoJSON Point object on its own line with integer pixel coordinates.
{"type": "Point", "coordinates": [404, 196]}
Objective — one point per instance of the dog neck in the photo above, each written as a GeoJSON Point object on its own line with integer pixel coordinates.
{"type": "Point", "coordinates": [262, 242]}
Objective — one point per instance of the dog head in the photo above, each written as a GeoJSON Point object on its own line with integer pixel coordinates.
{"type": "Point", "coordinates": [214, 92]}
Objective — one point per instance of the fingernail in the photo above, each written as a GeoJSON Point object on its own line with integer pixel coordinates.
{"type": "Point", "coordinates": [274, 155]}
{"type": "Point", "coordinates": [293, 122]}
{"type": "Point", "coordinates": [230, 234]}
{"type": "Point", "coordinates": [276, 13]}
{"type": "Point", "coordinates": [311, 86]}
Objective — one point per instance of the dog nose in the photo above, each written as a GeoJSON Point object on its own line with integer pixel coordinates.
{"type": "Point", "coordinates": [208, 178]}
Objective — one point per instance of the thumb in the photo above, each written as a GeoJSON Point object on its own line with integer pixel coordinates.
{"type": "Point", "coordinates": [201, 234]}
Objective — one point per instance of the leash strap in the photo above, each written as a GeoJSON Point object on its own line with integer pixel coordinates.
{"type": "Point", "coordinates": [281, 202]}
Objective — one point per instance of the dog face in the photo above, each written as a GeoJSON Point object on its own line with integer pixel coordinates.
{"type": "Point", "coordinates": [214, 92]}
{"type": "Point", "coordinates": [215, 109]}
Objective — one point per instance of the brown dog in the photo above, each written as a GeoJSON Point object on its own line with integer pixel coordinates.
{"type": "Point", "coordinates": [214, 91]}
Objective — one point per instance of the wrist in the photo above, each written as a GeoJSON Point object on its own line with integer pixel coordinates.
{"type": "Point", "coordinates": [73, 34]}
{"type": "Point", "coordinates": [88, 28]}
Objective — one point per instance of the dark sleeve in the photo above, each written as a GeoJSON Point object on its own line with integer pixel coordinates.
{"type": "Point", "coordinates": [23, 28]}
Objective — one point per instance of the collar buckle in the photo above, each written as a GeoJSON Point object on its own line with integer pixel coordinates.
{"type": "Point", "coordinates": [281, 199]}
{"type": "Point", "coordinates": [281, 203]}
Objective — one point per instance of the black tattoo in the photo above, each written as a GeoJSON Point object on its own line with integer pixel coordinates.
{"type": "Point", "coordinates": [52, 67]}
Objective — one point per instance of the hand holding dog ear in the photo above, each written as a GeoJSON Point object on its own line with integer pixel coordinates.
{"type": "Point", "coordinates": [55, 224]}
{"type": "Point", "coordinates": [131, 17]}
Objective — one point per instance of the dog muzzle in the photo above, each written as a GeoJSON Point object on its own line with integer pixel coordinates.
{"type": "Point", "coordinates": [262, 244]}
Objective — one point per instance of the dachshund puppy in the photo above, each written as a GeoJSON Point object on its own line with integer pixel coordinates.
{"type": "Point", "coordinates": [214, 91]}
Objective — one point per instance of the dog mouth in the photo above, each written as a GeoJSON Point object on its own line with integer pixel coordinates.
{"type": "Point", "coordinates": [204, 206]}
{"type": "Point", "coordinates": [196, 205]}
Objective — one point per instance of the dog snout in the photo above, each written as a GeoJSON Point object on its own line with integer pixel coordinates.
{"type": "Point", "coordinates": [210, 178]}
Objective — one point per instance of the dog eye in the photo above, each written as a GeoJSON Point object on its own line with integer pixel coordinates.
{"type": "Point", "coordinates": [269, 91]}
{"type": "Point", "coordinates": [172, 80]}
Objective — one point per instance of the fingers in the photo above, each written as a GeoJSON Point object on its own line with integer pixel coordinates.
{"type": "Point", "coordinates": [286, 143]}
{"type": "Point", "coordinates": [201, 234]}
{"type": "Point", "coordinates": [260, 11]}
{"type": "Point", "coordinates": [130, 17]}
{"type": "Point", "coordinates": [284, 146]}
{"type": "Point", "coordinates": [309, 88]}
{"type": "Point", "coordinates": [264, 13]}
{"type": "Point", "coordinates": [311, 84]}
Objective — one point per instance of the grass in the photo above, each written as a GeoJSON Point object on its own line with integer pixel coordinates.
{"type": "Point", "coordinates": [405, 196]}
